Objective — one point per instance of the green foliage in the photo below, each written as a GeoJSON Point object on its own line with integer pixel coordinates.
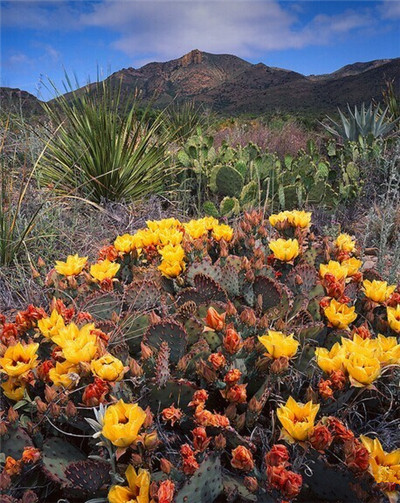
{"type": "Point", "coordinates": [101, 153]}
{"type": "Point", "coordinates": [183, 119]}
{"type": "Point", "coordinates": [366, 123]}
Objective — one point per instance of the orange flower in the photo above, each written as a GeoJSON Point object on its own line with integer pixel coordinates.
{"type": "Point", "coordinates": [324, 388]}
{"type": "Point", "coordinates": [172, 414]}
{"type": "Point", "coordinates": [12, 467]}
{"type": "Point", "coordinates": [232, 341]}
{"type": "Point", "coordinates": [200, 439]}
{"type": "Point", "coordinates": [220, 421]}
{"type": "Point", "coordinates": [95, 393]}
{"type": "Point", "coordinates": [236, 394]}
{"type": "Point", "coordinates": [217, 360]}
{"type": "Point", "coordinates": [189, 464]}
{"type": "Point", "coordinates": [232, 376]}
{"type": "Point", "coordinates": [165, 493]}
{"type": "Point", "coordinates": [356, 455]}
{"type": "Point", "coordinates": [214, 320]}
{"type": "Point", "coordinates": [199, 397]}
{"type": "Point", "coordinates": [242, 459]}
{"type": "Point", "coordinates": [321, 438]}
{"type": "Point", "coordinates": [30, 455]}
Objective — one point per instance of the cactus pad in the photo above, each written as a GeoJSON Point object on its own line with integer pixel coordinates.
{"type": "Point", "coordinates": [171, 332]}
{"type": "Point", "coordinates": [205, 485]}
{"type": "Point", "coordinates": [229, 181]}
{"type": "Point", "coordinates": [142, 295]}
{"type": "Point", "coordinates": [88, 476]}
{"type": "Point", "coordinates": [57, 455]}
{"type": "Point", "coordinates": [14, 443]}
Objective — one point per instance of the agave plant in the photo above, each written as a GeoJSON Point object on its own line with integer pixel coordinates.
{"type": "Point", "coordinates": [367, 123]}
{"type": "Point", "coordinates": [103, 152]}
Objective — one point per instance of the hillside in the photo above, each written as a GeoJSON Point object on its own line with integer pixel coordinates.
{"type": "Point", "coordinates": [230, 85]}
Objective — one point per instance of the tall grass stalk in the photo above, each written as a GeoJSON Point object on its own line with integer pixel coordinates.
{"type": "Point", "coordinates": [14, 229]}
{"type": "Point", "coordinates": [103, 151]}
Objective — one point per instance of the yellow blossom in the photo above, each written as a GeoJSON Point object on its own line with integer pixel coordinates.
{"type": "Point", "coordinates": [337, 269]}
{"type": "Point", "coordinates": [138, 490]}
{"type": "Point", "coordinates": [340, 315]}
{"type": "Point", "coordinates": [222, 231]}
{"type": "Point", "coordinates": [393, 316]}
{"type": "Point", "coordinates": [72, 266]}
{"type": "Point", "coordinates": [108, 368]}
{"type": "Point", "coordinates": [366, 347]}
{"type": "Point", "coordinates": [50, 326]}
{"type": "Point", "coordinates": [345, 243]}
{"type": "Point", "coordinates": [105, 269]}
{"type": "Point", "coordinates": [330, 360]}
{"type": "Point", "coordinates": [172, 237]}
{"type": "Point", "coordinates": [297, 418]}
{"type": "Point", "coordinates": [13, 389]}
{"type": "Point", "coordinates": [171, 253]}
{"type": "Point", "coordinates": [78, 345]}
{"type": "Point", "coordinates": [72, 332]}
{"type": "Point", "coordinates": [147, 237]}
{"type": "Point", "coordinates": [378, 291]}
{"type": "Point", "coordinates": [362, 369]}
{"type": "Point", "coordinates": [279, 217]}
{"type": "Point", "coordinates": [285, 249]}
{"type": "Point", "coordinates": [171, 269]}
{"type": "Point", "coordinates": [122, 423]}
{"type": "Point", "coordinates": [384, 466]}
{"type": "Point", "coordinates": [389, 350]}
{"type": "Point", "coordinates": [163, 225]}
{"type": "Point", "coordinates": [278, 344]}
{"type": "Point", "coordinates": [63, 374]}
{"type": "Point", "coordinates": [300, 219]}
{"type": "Point", "coordinates": [125, 243]}
{"type": "Point", "coordinates": [353, 265]}
{"type": "Point", "coordinates": [19, 359]}
{"type": "Point", "coordinates": [195, 228]}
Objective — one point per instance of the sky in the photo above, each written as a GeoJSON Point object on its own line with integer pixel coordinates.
{"type": "Point", "coordinates": [41, 41]}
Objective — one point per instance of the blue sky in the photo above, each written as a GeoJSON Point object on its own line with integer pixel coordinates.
{"type": "Point", "coordinates": [39, 39]}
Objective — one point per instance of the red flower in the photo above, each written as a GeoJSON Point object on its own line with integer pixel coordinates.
{"type": "Point", "coordinates": [172, 414]}
{"type": "Point", "coordinates": [232, 376]}
{"type": "Point", "coordinates": [232, 341]}
{"type": "Point", "coordinates": [217, 360]}
{"type": "Point", "coordinates": [236, 393]}
{"type": "Point", "coordinates": [339, 429]}
{"type": "Point", "coordinates": [199, 397]}
{"type": "Point", "coordinates": [321, 438]}
{"type": "Point", "coordinates": [277, 456]}
{"type": "Point", "coordinates": [214, 320]}
{"type": "Point", "coordinates": [200, 439]}
{"type": "Point", "coordinates": [324, 388]}
{"type": "Point", "coordinates": [338, 379]}
{"type": "Point", "coordinates": [356, 455]}
{"type": "Point", "coordinates": [30, 455]}
{"type": "Point", "coordinates": [95, 393]}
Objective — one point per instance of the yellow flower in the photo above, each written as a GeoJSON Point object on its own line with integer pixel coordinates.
{"type": "Point", "coordinates": [19, 359]}
{"type": "Point", "coordinates": [104, 269]}
{"type": "Point", "coordinates": [337, 269]}
{"type": "Point", "coordinates": [279, 217]}
{"type": "Point", "coordinates": [353, 265]}
{"type": "Point", "coordinates": [366, 347]}
{"type": "Point", "coordinates": [209, 222]}
{"type": "Point", "coordinates": [378, 291]}
{"type": "Point", "coordinates": [63, 374]}
{"type": "Point", "coordinates": [340, 315]}
{"type": "Point", "coordinates": [72, 266]}
{"type": "Point", "coordinates": [108, 368]}
{"type": "Point", "coordinates": [222, 231]}
{"type": "Point", "coordinates": [384, 466]}
{"type": "Point", "coordinates": [171, 269]}
{"type": "Point", "coordinates": [297, 418]}
{"type": "Point", "coordinates": [146, 237]}
{"type": "Point", "coordinates": [330, 360]}
{"type": "Point", "coordinates": [389, 350]}
{"type": "Point", "coordinates": [163, 225]}
{"type": "Point", "coordinates": [345, 243]}
{"type": "Point", "coordinates": [138, 490]}
{"type": "Point", "coordinates": [195, 228]}
{"type": "Point", "coordinates": [285, 249]}
{"type": "Point", "coordinates": [171, 253]}
{"type": "Point", "coordinates": [125, 243]}
{"type": "Point", "coordinates": [14, 389]}
{"type": "Point", "coordinates": [49, 327]}
{"type": "Point", "coordinates": [300, 219]}
{"type": "Point", "coordinates": [170, 237]}
{"type": "Point", "coordinates": [278, 344]}
{"type": "Point", "coordinates": [393, 316]}
{"type": "Point", "coordinates": [78, 345]}
{"type": "Point", "coordinates": [122, 423]}
{"type": "Point", "coordinates": [362, 369]}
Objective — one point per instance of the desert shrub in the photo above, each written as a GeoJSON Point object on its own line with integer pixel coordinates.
{"type": "Point", "coordinates": [199, 362]}
{"type": "Point", "coordinates": [182, 120]}
{"type": "Point", "coordinates": [103, 153]}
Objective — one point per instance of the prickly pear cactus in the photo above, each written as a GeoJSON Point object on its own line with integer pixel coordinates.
{"type": "Point", "coordinates": [204, 485]}
{"type": "Point", "coordinates": [229, 181]}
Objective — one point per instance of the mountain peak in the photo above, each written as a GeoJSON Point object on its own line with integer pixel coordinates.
{"type": "Point", "coordinates": [194, 57]}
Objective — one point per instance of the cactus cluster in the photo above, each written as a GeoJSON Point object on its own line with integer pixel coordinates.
{"type": "Point", "coordinates": [231, 180]}
{"type": "Point", "coordinates": [261, 368]}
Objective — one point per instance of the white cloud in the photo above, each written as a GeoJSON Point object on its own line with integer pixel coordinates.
{"type": "Point", "coordinates": [390, 9]}
{"type": "Point", "coordinates": [163, 29]}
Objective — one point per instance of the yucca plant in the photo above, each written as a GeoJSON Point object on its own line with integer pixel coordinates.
{"type": "Point", "coordinates": [14, 228]}
{"type": "Point", "coordinates": [183, 119]}
{"type": "Point", "coordinates": [365, 123]}
{"type": "Point", "coordinates": [103, 150]}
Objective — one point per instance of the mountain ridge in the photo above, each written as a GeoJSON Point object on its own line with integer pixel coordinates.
{"type": "Point", "coordinates": [231, 85]}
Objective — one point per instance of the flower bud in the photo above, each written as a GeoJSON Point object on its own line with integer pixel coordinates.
{"type": "Point", "coordinates": [150, 440]}
{"type": "Point", "coordinates": [55, 410]}
{"type": "Point", "coordinates": [136, 459]}
{"type": "Point", "coordinates": [251, 484]}
{"type": "Point", "coordinates": [149, 418]}
{"type": "Point", "coordinates": [255, 405]}
{"type": "Point", "coordinates": [248, 317]}
{"type": "Point", "coordinates": [166, 466]}
{"type": "Point", "coordinates": [146, 351]}
{"type": "Point", "coordinates": [135, 368]}
{"type": "Point", "coordinates": [70, 409]}
{"type": "Point", "coordinates": [12, 415]}
{"type": "Point", "coordinates": [280, 365]}
{"type": "Point", "coordinates": [50, 393]}
{"type": "Point", "coordinates": [41, 406]}
{"type": "Point", "coordinates": [3, 428]}
{"type": "Point", "coordinates": [242, 459]}
{"type": "Point", "coordinates": [220, 442]}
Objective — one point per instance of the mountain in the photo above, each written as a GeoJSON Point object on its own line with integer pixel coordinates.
{"type": "Point", "coordinates": [15, 101]}
{"type": "Point", "coordinates": [230, 85]}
